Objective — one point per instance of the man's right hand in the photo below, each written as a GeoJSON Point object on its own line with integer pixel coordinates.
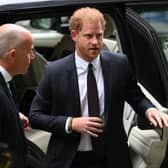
{"type": "Point", "coordinates": [88, 125]}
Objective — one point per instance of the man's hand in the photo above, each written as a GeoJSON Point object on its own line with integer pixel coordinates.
{"type": "Point", "coordinates": [88, 125]}
{"type": "Point", "coordinates": [157, 118]}
{"type": "Point", "coordinates": [25, 121]}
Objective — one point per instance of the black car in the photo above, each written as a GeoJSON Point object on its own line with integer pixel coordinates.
{"type": "Point", "coordinates": [137, 28]}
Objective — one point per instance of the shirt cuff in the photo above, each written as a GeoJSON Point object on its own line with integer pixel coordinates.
{"type": "Point", "coordinates": [67, 125]}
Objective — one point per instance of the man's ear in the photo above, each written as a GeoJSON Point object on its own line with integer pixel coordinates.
{"type": "Point", "coordinates": [12, 53]}
{"type": "Point", "coordinates": [74, 35]}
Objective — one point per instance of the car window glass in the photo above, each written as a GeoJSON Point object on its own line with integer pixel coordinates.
{"type": "Point", "coordinates": [52, 36]}
{"type": "Point", "coordinates": [159, 21]}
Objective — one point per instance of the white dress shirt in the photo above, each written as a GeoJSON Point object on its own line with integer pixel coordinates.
{"type": "Point", "coordinates": [82, 70]}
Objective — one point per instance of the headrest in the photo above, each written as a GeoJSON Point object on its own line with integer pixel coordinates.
{"type": "Point", "coordinates": [110, 26]}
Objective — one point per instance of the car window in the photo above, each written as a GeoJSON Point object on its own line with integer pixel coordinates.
{"type": "Point", "coordinates": [52, 36]}
{"type": "Point", "coordinates": [159, 21]}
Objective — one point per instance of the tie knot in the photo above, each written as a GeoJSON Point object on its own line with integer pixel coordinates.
{"type": "Point", "coordinates": [10, 82]}
{"type": "Point", "coordinates": [90, 66]}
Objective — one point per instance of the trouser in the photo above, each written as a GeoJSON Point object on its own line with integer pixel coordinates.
{"type": "Point", "coordinates": [87, 159]}
{"type": "Point", "coordinates": [92, 160]}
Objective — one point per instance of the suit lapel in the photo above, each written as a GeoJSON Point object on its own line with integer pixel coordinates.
{"type": "Point", "coordinates": [73, 85]}
{"type": "Point", "coordinates": [107, 87]}
{"type": "Point", "coordinates": [109, 71]}
{"type": "Point", "coordinates": [4, 85]}
{"type": "Point", "coordinates": [6, 89]}
{"type": "Point", "coordinates": [14, 107]}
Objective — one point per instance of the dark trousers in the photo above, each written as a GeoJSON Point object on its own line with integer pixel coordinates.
{"type": "Point", "coordinates": [88, 159]}
{"type": "Point", "coordinates": [92, 160]}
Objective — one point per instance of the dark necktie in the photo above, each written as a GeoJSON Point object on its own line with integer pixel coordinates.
{"type": "Point", "coordinates": [93, 107]}
{"type": "Point", "coordinates": [12, 89]}
{"type": "Point", "coordinates": [92, 93]}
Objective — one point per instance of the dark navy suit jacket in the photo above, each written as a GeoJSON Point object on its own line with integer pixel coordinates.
{"type": "Point", "coordinates": [11, 131]}
{"type": "Point", "coordinates": [58, 97]}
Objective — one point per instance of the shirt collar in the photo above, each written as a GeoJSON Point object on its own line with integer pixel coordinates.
{"type": "Point", "coordinates": [82, 64]}
{"type": "Point", "coordinates": [5, 74]}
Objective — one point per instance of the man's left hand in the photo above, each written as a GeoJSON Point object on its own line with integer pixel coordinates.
{"type": "Point", "coordinates": [157, 118]}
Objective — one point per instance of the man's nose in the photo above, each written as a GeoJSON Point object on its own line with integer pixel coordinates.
{"type": "Point", "coordinates": [94, 40]}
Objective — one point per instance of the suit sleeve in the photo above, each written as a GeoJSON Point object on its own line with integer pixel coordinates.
{"type": "Point", "coordinates": [42, 114]}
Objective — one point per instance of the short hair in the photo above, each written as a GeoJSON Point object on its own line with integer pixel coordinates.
{"type": "Point", "coordinates": [10, 37]}
{"type": "Point", "coordinates": [88, 13]}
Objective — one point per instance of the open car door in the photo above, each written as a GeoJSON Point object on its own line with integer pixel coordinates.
{"type": "Point", "coordinates": [150, 52]}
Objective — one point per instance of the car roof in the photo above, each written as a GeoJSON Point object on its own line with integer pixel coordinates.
{"type": "Point", "coordinates": [20, 4]}
{"type": "Point", "coordinates": [5, 2]}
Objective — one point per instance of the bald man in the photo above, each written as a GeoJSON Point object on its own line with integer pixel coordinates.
{"type": "Point", "coordinates": [16, 54]}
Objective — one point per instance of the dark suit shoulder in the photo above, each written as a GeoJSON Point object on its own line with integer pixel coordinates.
{"type": "Point", "coordinates": [115, 58]}
{"type": "Point", "coordinates": [62, 63]}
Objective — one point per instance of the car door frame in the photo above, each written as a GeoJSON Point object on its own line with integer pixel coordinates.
{"type": "Point", "coordinates": [137, 25]}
